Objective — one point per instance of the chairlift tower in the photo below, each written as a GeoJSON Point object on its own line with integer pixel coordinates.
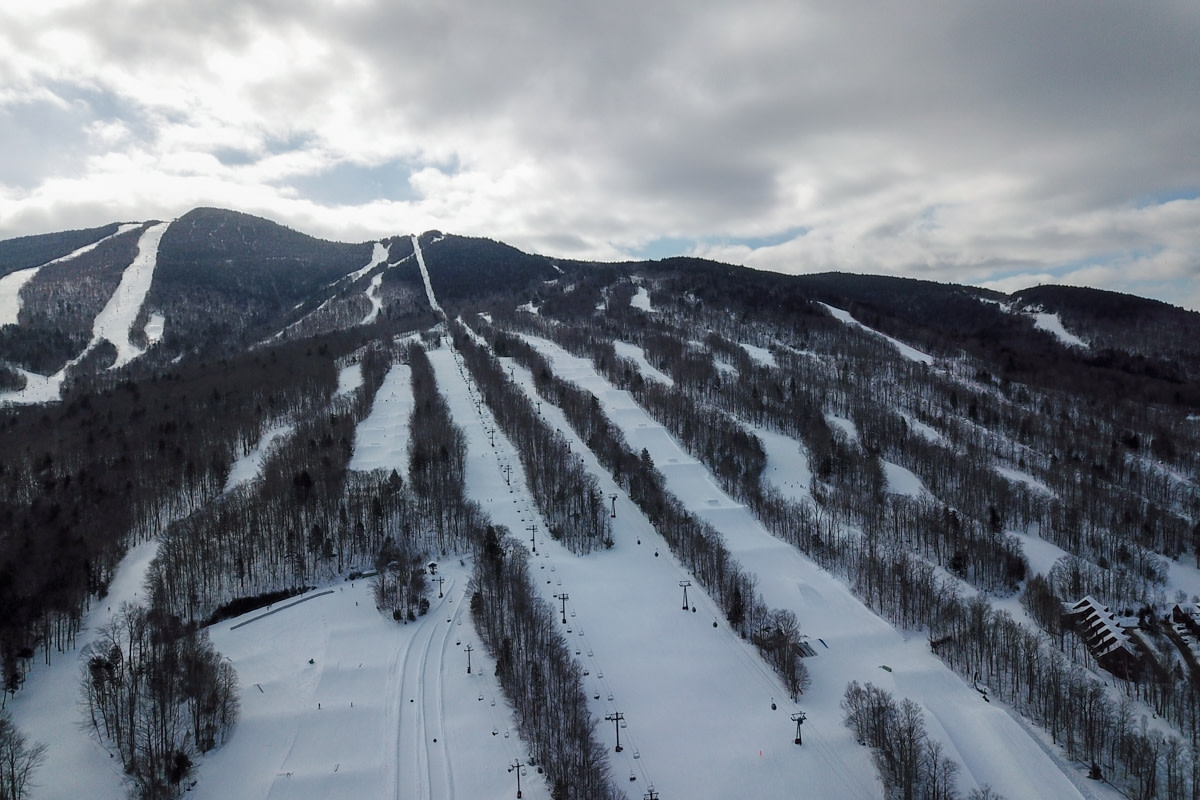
{"type": "Point", "coordinates": [564, 597]}
{"type": "Point", "coordinates": [798, 717]}
{"type": "Point", "coordinates": [685, 585]}
{"type": "Point", "coordinates": [616, 717]}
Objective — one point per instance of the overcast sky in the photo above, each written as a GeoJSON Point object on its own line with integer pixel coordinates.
{"type": "Point", "coordinates": [998, 143]}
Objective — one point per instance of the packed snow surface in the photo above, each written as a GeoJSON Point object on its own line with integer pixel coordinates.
{"type": "Point", "coordinates": [847, 426]}
{"type": "Point", "coordinates": [851, 642]}
{"type": "Point", "coordinates": [115, 320]}
{"type": "Point", "coordinates": [379, 254]}
{"type": "Point", "coordinates": [760, 355]}
{"type": "Point", "coordinates": [381, 440]}
{"type": "Point", "coordinates": [638, 356]}
{"type": "Point", "coordinates": [924, 430]}
{"type": "Point", "coordinates": [47, 709]}
{"type": "Point", "coordinates": [433, 303]}
{"type": "Point", "coordinates": [154, 328]}
{"type": "Point", "coordinates": [350, 377]}
{"type": "Point", "coordinates": [1017, 476]}
{"type": "Point", "coordinates": [641, 299]}
{"type": "Point", "coordinates": [249, 466]}
{"type": "Point", "coordinates": [901, 480]}
{"type": "Point", "coordinates": [12, 283]}
{"type": "Point", "coordinates": [1054, 326]}
{"type": "Point", "coordinates": [911, 353]}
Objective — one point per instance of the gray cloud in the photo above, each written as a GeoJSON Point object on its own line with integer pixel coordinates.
{"type": "Point", "coordinates": [971, 142]}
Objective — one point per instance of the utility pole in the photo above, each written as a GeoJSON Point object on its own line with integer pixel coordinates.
{"type": "Point", "coordinates": [564, 597]}
{"type": "Point", "coordinates": [616, 717]}
{"type": "Point", "coordinates": [685, 585]}
{"type": "Point", "coordinates": [516, 767]}
{"type": "Point", "coordinates": [468, 659]}
{"type": "Point", "coordinates": [533, 537]}
{"type": "Point", "coordinates": [613, 497]}
{"type": "Point", "coordinates": [798, 717]}
{"type": "Point", "coordinates": [441, 580]}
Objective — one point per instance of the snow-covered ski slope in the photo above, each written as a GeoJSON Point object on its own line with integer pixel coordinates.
{"type": "Point", "coordinates": [696, 698]}
{"type": "Point", "coordinates": [854, 643]}
{"type": "Point", "coordinates": [12, 283]}
{"type": "Point", "coordinates": [113, 323]}
{"type": "Point", "coordinates": [907, 351]}
{"type": "Point", "coordinates": [433, 303]}
{"type": "Point", "coordinates": [47, 709]}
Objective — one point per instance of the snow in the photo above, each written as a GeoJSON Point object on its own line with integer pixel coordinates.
{"type": "Point", "coordinates": [249, 466]}
{"type": "Point", "coordinates": [350, 377]}
{"type": "Point", "coordinates": [1054, 326]}
{"type": "Point", "coordinates": [847, 426]}
{"type": "Point", "coordinates": [116, 318]}
{"type": "Point", "coordinates": [641, 299]}
{"type": "Point", "coordinates": [528, 308]}
{"type": "Point", "coordinates": [373, 295]}
{"type": "Point", "coordinates": [902, 481]}
{"type": "Point", "coordinates": [638, 356]}
{"type": "Point", "coordinates": [787, 464]}
{"type": "Point", "coordinates": [433, 303]}
{"type": "Point", "coordinates": [925, 431]}
{"type": "Point", "coordinates": [381, 440]}
{"type": "Point", "coordinates": [911, 353]}
{"type": "Point", "coordinates": [12, 283]}
{"type": "Point", "coordinates": [383, 710]}
{"type": "Point", "coordinates": [47, 710]}
{"type": "Point", "coordinates": [1017, 476]}
{"type": "Point", "coordinates": [991, 745]}
{"type": "Point", "coordinates": [154, 328]}
{"type": "Point", "coordinates": [379, 255]}
{"type": "Point", "coordinates": [724, 367]}
{"type": "Point", "coordinates": [760, 355]}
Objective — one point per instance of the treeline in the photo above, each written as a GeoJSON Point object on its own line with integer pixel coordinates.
{"type": "Point", "coordinates": [973, 638]}
{"type": "Point", "coordinates": [696, 543]}
{"type": "Point", "coordinates": [84, 480]}
{"type": "Point", "coordinates": [158, 691]}
{"type": "Point", "coordinates": [543, 683]}
{"type": "Point", "coordinates": [911, 765]}
{"type": "Point", "coordinates": [567, 495]}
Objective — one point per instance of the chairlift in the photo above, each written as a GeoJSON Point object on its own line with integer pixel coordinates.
{"type": "Point", "coordinates": [493, 701]}
{"type": "Point", "coordinates": [506, 736]}
{"type": "Point", "coordinates": [577, 652]}
{"type": "Point", "coordinates": [599, 674]}
{"type": "Point", "coordinates": [481, 697]}
{"type": "Point", "coordinates": [495, 731]}
{"type": "Point", "coordinates": [632, 777]}
{"type": "Point", "coordinates": [572, 613]}
{"type": "Point", "coordinates": [636, 753]}
{"type": "Point", "coordinates": [589, 652]}
{"type": "Point", "coordinates": [624, 724]}
{"type": "Point", "coordinates": [610, 697]}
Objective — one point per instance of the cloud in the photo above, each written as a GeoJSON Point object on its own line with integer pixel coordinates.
{"type": "Point", "coordinates": [970, 143]}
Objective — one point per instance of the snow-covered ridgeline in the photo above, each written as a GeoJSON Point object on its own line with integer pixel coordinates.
{"type": "Point", "coordinates": [433, 303]}
{"type": "Point", "coordinates": [12, 283]}
{"type": "Point", "coordinates": [907, 351]}
{"type": "Point", "coordinates": [115, 320]}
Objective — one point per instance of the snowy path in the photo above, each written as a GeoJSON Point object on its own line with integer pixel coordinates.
{"type": "Point", "coordinates": [249, 466]}
{"type": "Point", "coordinates": [696, 699]}
{"type": "Point", "coordinates": [991, 746]}
{"type": "Point", "coordinates": [907, 351]}
{"type": "Point", "coordinates": [381, 440]}
{"type": "Point", "coordinates": [433, 303]}
{"type": "Point", "coordinates": [47, 709]}
{"type": "Point", "coordinates": [12, 283]}
{"type": "Point", "coordinates": [116, 318]}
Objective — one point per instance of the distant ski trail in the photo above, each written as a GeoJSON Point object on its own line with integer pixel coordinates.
{"type": "Point", "coordinates": [433, 303]}
{"type": "Point", "coordinates": [115, 320]}
{"type": "Point", "coordinates": [12, 283]}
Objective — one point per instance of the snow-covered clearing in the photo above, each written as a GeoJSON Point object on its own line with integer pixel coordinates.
{"type": "Point", "coordinates": [372, 294]}
{"type": "Point", "coordinates": [12, 283]}
{"type": "Point", "coordinates": [901, 480]}
{"type": "Point", "coordinates": [350, 377]}
{"type": "Point", "coordinates": [1017, 476]}
{"type": "Point", "coordinates": [528, 308]}
{"type": "Point", "coordinates": [787, 464]}
{"type": "Point", "coordinates": [847, 426]}
{"type": "Point", "coordinates": [638, 356]}
{"type": "Point", "coordinates": [907, 351]}
{"type": "Point", "coordinates": [47, 710]}
{"type": "Point", "coordinates": [381, 440]}
{"type": "Point", "coordinates": [433, 303]}
{"type": "Point", "coordinates": [115, 321]}
{"type": "Point", "coordinates": [990, 744]}
{"type": "Point", "coordinates": [249, 466]}
{"type": "Point", "coordinates": [379, 254]}
{"type": "Point", "coordinates": [924, 430]}
{"type": "Point", "coordinates": [154, 328]}
{"type": "Point", "coordinates": [381, 710]}
{"type": "Point", "coordinates": [1054, 326]}
{"type": "Point", "coordinates": [760, 355]}
{"type": "Point", "coordinates": [641, 299]}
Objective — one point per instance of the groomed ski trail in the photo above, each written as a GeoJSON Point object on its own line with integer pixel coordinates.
{"type": "Point", "coordinates": [433, 303]}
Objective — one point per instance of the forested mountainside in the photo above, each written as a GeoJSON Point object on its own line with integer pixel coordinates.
{"type": "Point", "coordinates": [972, 466]}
